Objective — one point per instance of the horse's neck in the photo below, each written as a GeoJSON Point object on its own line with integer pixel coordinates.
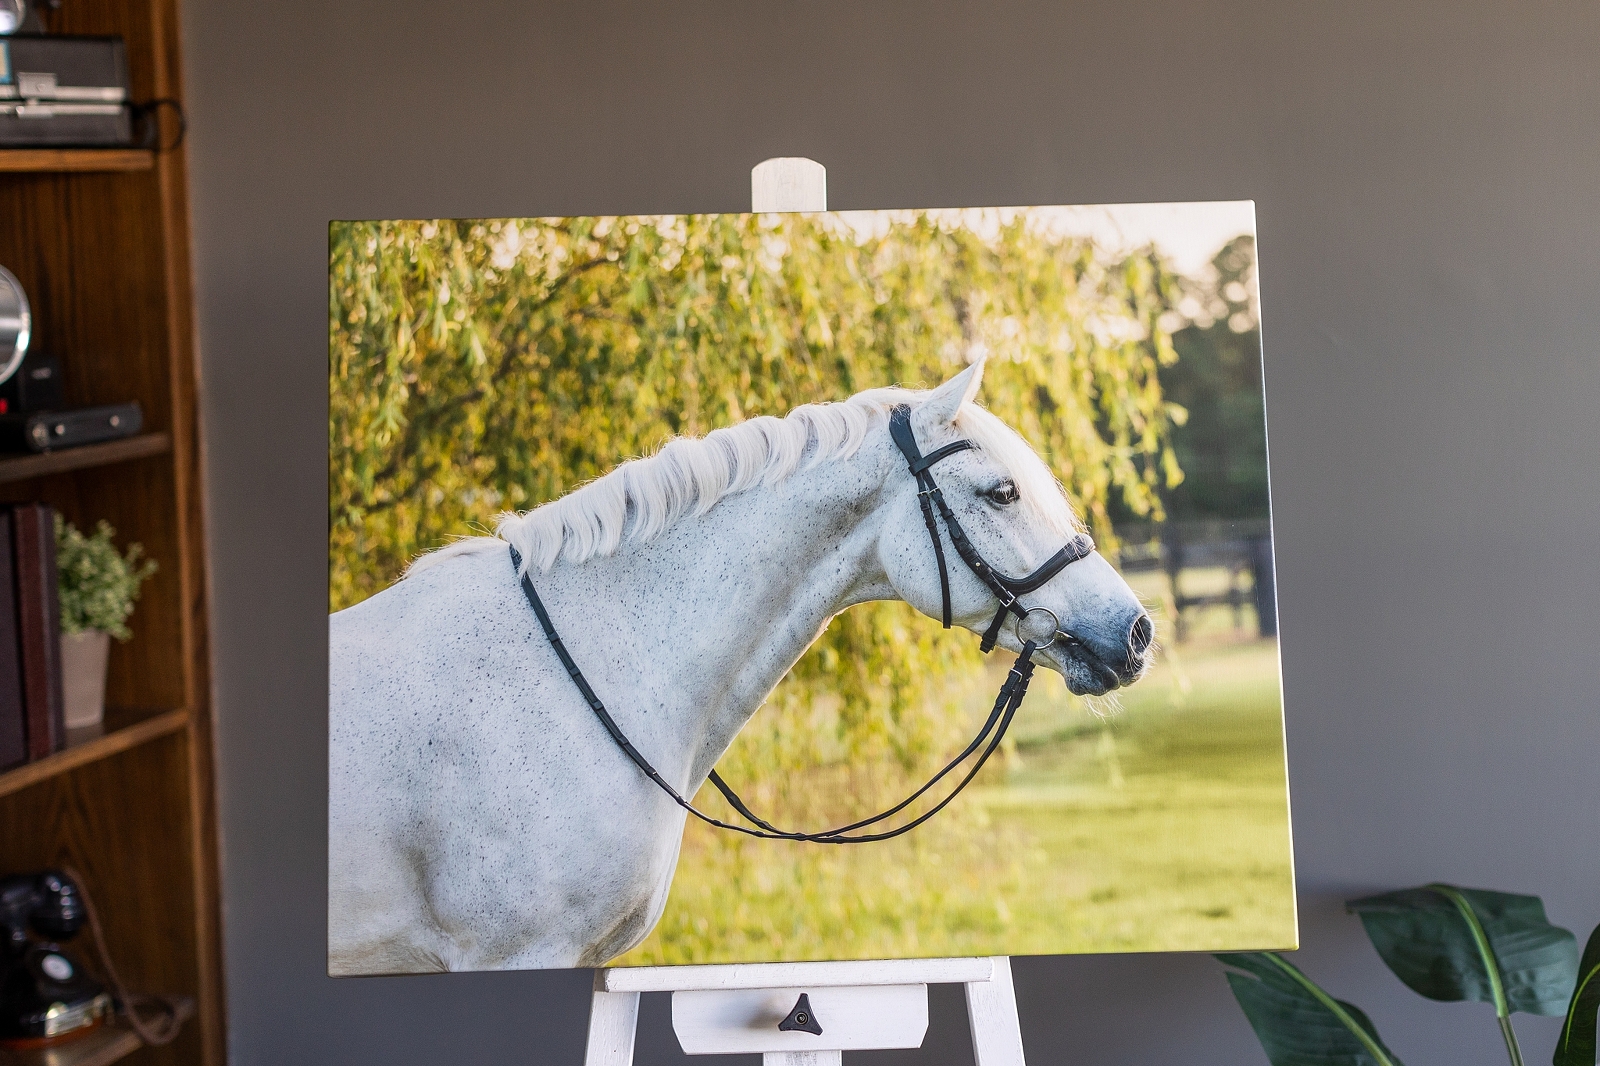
{"type": "Point", "coordinates": [720, 606]}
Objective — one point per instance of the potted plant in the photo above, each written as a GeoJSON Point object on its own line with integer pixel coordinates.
{"type": "Point", "coordinates": [98, 588]}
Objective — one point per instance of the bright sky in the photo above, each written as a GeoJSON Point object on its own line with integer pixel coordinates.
{"type": "Point", "coordinates": [1189, 233]}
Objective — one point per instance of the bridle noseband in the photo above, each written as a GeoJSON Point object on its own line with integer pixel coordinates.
{"type": "Point", "coordinates": [1006, 590]}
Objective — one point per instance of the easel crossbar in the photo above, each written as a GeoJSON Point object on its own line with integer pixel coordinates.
{"type": "Point", "coordinates": [794, 974]}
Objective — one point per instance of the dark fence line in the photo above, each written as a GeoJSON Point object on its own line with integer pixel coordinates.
{"type": "Point", "coordinates": [1241, 547]}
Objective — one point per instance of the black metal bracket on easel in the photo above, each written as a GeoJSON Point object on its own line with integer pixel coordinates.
{"type": "Point", "coordinates": [802, 1019]}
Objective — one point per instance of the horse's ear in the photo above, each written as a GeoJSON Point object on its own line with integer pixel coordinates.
{"type": "Point", "coordinates": [943, 403]}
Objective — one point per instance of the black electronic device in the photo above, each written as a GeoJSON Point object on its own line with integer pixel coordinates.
{"type": "Point", "coordinates": [64, 92]}
{"type": "Point", "coordinates": [44, 992]}
{"type": "Point", "coordinates": [48, 431]}
{"type": "Point", "coordinates": [36, 385]}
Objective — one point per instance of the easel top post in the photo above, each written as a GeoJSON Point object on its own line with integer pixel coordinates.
{"type": "Point", "coordinates": [789, 183]}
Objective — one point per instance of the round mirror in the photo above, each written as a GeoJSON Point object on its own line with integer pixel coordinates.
{"type": "Point", "coordinates": [12, 13]}
{"type": "Point", "coordinates": [16, 324]}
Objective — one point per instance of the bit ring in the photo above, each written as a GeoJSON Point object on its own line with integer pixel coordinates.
{"type": "Point", "coordinates": [1026, 625]}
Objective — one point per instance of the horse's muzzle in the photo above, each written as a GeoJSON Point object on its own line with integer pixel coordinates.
{"type": "Point", "coordinates": [1112, 667]}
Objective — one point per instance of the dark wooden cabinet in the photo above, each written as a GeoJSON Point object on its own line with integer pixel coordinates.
{"type": "Point", "coordinates": [100, 241]}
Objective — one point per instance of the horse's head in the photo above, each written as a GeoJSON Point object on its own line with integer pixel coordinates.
{"type": "Point", "coordinates": [1016, 516]}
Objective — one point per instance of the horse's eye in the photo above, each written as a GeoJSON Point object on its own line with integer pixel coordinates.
{"type": "Point", "coordinates": [1003, 494]}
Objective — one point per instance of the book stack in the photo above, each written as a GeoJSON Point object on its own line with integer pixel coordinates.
{"type": "Point", "coordinates": [31, 720]}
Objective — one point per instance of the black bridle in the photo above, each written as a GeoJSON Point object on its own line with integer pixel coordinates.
{"type": "Point", "coordinates": [1006, 590]}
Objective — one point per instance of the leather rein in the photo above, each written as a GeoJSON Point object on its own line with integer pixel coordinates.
{"type": "Point", "coordinates": [1005, 589]}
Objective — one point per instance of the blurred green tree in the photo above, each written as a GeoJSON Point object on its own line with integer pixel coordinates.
{"type": "Point", "coordinates": [1222, 445]}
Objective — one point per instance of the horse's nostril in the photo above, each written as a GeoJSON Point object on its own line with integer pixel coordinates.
{"type": "Point", "coordinates": [1140, 636]}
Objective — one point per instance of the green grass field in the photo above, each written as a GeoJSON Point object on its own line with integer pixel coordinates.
{"type": "Point", "coordinates": [1160, 825]}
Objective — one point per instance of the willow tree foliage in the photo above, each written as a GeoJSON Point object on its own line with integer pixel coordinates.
{"type": "Point", "coordinates": [487, 366]}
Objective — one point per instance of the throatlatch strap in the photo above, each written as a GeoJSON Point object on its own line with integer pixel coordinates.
{"type": "Point", "coordinates": [1005, 708]}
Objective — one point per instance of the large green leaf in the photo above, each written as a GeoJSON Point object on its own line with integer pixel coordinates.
{"type": "Point", "coordinates": [1577, 1044]}
{"type": "Point", "coordinates": [1450, 943]}
{"type": "Point", "coordinates": [1298, 1023]}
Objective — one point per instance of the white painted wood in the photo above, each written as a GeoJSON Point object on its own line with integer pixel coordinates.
{"type": "Point", "coordinates": [802, 1058]}
{"type": "Point", "coordinates": [790, 183]}
{"type": "Point", "coordinates": [613, 1021]}
{"type": "Point", "coordinates": [795, 974]}
{"type": "Point", "coordinates": [992, 1014]}
{"type": "Point", "coordinates": [731, 1022]}
{"type": "Point", "coordinates": [736, 1008]}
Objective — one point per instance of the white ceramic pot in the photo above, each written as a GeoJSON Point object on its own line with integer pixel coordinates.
{"type": "Point", "coordinates": [83, 676]}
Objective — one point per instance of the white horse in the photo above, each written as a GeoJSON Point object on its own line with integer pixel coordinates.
{"type": "Point", "coordinates": [481, 818]}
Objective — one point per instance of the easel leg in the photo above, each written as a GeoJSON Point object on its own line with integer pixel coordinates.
{"type": "Point", "coordinates": [992, 1013]}
{"type": "Point", "coordinates": [613, 1020]}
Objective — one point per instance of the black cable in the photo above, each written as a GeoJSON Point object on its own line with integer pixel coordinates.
{"type": "Point", "coordinates": [165, 1027]}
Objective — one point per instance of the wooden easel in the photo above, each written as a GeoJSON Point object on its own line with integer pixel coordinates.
{"type": "Point", "coordinates": [724, 1010]}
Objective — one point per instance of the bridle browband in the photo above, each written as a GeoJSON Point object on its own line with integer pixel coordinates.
{"type": "Point", "coordinates": [1006, 590]}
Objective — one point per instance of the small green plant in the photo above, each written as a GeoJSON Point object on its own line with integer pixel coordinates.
{"type": "Point", "coordinates": [98, 586]}
{"type": "Point", "coordinates": [1445, 943]}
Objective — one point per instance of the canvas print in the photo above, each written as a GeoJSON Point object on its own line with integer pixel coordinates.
{"type": "Point", "coordinates": [775, 587]}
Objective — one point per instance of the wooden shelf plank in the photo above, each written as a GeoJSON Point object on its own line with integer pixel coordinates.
{"type": "Point", "coordinates": [102, 1047]}
{"type": "Point", "coordinates": [117, 739]}
{"type": "Point", "coordinates": [99, 1047]}
{"type": "Point", "coordinates": [21, 467]}
{"type": "Point", "coordinates": [74, 160]}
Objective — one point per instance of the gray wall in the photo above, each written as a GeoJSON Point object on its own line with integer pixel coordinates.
{"type": "Point", "coordinates": [1427, 178]}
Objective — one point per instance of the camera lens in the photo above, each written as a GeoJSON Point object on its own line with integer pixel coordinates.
{"type": "Point", "coordinates": [12, 12]}
{"type": "Point", "coordinates": [16, 321]}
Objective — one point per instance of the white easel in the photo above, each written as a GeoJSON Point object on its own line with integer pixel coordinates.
{"type": "Point", "coordinates": [725, 1010]}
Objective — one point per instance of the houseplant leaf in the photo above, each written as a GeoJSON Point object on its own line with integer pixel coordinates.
{"type": "Point", "coordinates": [1450, 943]}
{"type": "Point", "coordinates": [1298, 1023]}
{"type": "Point", "coordinates": [1577, 1044]}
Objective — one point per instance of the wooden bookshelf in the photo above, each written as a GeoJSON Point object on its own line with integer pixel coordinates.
{"type": "Point", "coordinates": [74, 160]}
{"type": "Point", "coordinates": [100, 241]}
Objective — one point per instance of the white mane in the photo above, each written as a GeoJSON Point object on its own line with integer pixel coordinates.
{"type": "Point", "coordinates": [642, 498]}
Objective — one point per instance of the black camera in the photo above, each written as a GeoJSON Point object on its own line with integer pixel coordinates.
{"type": "Point", "coordinates": [44, 992]}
